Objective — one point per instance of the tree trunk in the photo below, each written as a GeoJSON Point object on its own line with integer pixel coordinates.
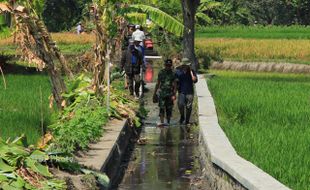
{"type": "Point", "coordinates": [43, 52]}
{"type": "Point", "coordinates": [189, 11]}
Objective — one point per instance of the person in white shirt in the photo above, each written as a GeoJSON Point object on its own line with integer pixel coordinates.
{"type": "Point", "coordinates": [79, 28]}
{"type": "Point", "coordinates": [138, 34]}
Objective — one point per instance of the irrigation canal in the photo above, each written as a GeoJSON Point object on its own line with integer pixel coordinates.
{"type": "Point", "coordinates": [169, 158]}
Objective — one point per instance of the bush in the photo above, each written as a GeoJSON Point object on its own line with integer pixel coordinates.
{"type": "Point", "coordinates": [205, 57]}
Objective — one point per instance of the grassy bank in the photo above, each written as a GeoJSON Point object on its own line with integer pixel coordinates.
{"type": "Point", "coordinates": [295, 51]}
{"type": "Point", "coordinates": [20, 106]}
{"type": "Point", "coordinates": [266, 117]}
{"type": "Point", "coordinates": [255, 32]}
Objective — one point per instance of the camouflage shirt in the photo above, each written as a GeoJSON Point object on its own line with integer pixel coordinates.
{"type": "Point", "coordinates": [166, 79]}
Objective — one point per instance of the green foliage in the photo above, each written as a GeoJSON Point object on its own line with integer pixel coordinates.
{"type": "Point", "coordinates": [60, 15]}
{"type": "Point", "coordinates": [162, 19]}
{"type": "Point", "coordinates": [17, 162]}
{"type": "Point", "coordinates": [82, 121]}
{"type": "Point", "coordinates": [204, 8]}
{"type": "Point", "coordinates": [266, 118]}
{"type": "Point", "coordinates": [39, 6]}
{"type": "Point", "coordinates": [5, 32]}
{"type": "Point", "coordinates": [207, 56]}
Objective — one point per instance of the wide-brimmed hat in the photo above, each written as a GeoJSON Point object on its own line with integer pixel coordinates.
{"type": "Point", "coordinates": [186, 61]}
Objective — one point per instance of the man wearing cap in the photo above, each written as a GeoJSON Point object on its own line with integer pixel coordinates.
{"type": "Point", "coordinates": [166, 91]}
{"type": "Point", "coordinates": [132, 61]}
{"type": "Point", "coordinates": [138, 34]}
{"type": "Point", "coordinates": [186, 78]}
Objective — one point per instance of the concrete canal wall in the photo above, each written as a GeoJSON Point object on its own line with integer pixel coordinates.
{"type": "Point", "coordinates": [223, 166]}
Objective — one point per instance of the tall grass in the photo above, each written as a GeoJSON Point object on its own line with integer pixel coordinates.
{"type": "Point", "coordinates": [20, 106]}
{"type": "Point", "coordinates": [256, 32]}
{"type": "Point", "coordinates": [266, 117]}
{"type": "Point", "coordinates": [296, 51]}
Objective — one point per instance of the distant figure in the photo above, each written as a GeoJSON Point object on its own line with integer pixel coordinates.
{"type": "Point", "coordinates": [139, 34]}
{"type": "Point", "coordinates": [166, 90]}
{"type": "Point", "coordinates": [186, 78]}
{"type": "Point", "coordinates": [79, 28]}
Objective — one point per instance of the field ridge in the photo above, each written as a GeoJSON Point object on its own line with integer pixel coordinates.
{"type": "Point", "coordinates": [262, 67]}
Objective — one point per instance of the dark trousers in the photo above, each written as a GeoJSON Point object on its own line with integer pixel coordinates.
{"type": "Point", "coordinates": [133, 81]}
{"type": "Point", "coordinates": [185, 104]}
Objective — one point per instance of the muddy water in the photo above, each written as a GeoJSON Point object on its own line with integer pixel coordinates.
{"type": "Point", "coordinates": [168, 160]}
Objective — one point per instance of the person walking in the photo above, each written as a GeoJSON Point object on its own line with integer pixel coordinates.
{"type": "Point", "coordinates": [138, 33]}
{"type": "Point", "coordinates": [186, 78]}
{"type": "Point", "coordinates": [131, 62]}
{"type": "Point", "coordinates": [165, 89]}
{"type": "Point", "coordinates": [79, 28]}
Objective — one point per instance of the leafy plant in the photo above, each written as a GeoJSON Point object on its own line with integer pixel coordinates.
{"type": "Point", "coordinates": [82, 121]}
{"type": "Point", "coordinates": [21, 168]}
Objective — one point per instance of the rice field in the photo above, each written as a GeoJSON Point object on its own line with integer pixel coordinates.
{"type": "Point", "coordinates": [275, 50]}
{"type": "Point", "coordinates": [69, 43]}
{"type": "Point", "coordinates": [21, 107]}
{"type": "Point", "coordinates": [255, 32]}
{"type": "Point", "coordinates": [267, 118]}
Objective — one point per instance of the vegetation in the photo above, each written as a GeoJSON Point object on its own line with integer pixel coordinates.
{"type": "Point", "coordinates": [275, 50]}
{"type": "Point", "coordinates": [255, 32]}
{"type": "Point", "coordinates": [265, 12]}
{"type": "Point", "coordinates": [82, 121]}
{"type": "Point", "coordinates": [62, 15]}
{"type": "Point", "coordinates": [22, 104]}
{"type": "Point", "coordinates": [21, 168]}
{"type": "Point", "coordinates": [266, 118]}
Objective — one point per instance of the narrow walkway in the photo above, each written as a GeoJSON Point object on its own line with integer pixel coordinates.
{"type": "Point", "coordinates": [169, 160]}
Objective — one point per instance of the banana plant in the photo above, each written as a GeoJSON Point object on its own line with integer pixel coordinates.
{"type": "Point", "coordinates": [161, 18]}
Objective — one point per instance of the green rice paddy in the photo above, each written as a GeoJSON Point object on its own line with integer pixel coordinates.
{"type": "Point", "coordinates": [21, 107]}
{"type": "Point", "coordinates": [267, 119]}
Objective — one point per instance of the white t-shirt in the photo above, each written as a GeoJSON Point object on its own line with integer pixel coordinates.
{"type": "Point", "coordinates": [138, 33]}
{"type": "Point", "coordinates": [79, 29]}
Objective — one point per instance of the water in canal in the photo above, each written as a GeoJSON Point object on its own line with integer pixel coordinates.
{"type": "Point", "coordinates": [168, 160]}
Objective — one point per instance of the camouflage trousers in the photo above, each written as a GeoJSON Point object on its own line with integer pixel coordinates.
{"type": "Point", "coordinates": [165, 106]}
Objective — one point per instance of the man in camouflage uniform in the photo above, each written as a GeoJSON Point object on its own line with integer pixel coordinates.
{"type": "Point", "coordinates": [165, 90]}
